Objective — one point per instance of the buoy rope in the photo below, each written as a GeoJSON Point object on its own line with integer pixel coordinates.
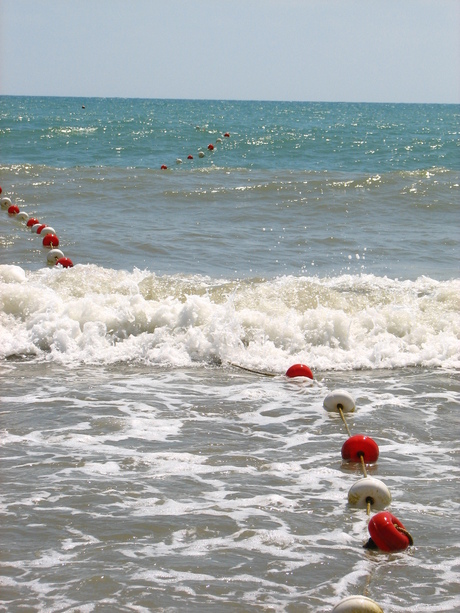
{"type": "Point", "coordinates": [256, 372]}
{"type": "Point", "coordinates": [363, 465]}
{"type": "Point", "coordinates": [340, 409]}
{"type": "Point", "coordinates": [405, 532]}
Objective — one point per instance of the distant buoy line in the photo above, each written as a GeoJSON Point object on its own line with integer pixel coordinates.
{"type": "Point", "coordinates": [50, 241]}
{"type": "Point", "coordinates": [201, 154]}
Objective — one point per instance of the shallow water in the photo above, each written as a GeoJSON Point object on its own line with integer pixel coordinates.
{"type": "Point", "coordinates": [142, 468]}
{"type": "Point", "coordinates": [137, 488]}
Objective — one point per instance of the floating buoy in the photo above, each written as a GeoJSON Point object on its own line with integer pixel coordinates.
{"type": "Point", "coordinates": [339, 399]}
{"type": "Point", "coordinates": [64, 262]}
{"type": "Point", "coordinates": [35, 227]}
{"type": "Point", "coordinates": [210, 147]}
{"type": "Point", "coordinates": [13, 210]}
{"type": "Point", "coordinates": [40, 228]}
{"type": "Point", "coordinates": [387, 533]}
{"type": "Point", "coordinates": [53, 256]}
{"type": "Point", "coordinates": [190, 157]}
{"type": "Point", "coordinates": [5, 203]}
{"type": "Point", "coordinates": [31, 222]}
{"type": "Point", "coordinates": [50, 241]}
{"type": "Point", "coordinates": [22, 216]}
{"type": "Point", "coordinates": [357, 604]}
{"type": "Point", "coordinates": [369, 490]}
{"type": "Point", "coordinates": [178, 161]}
{"type": "Point", "coordinates": [218, 140]}
{"type": "Point", "coordinates": [47, 230]}
{"type": "Point", "coordinates": [1, 189]}
{"type": "Point", "coordinates": [164, 167]}
{"type": "Point", "coordinates": [201, 154]}
{"type": "Point", "coordinates": [358, 446]}
{"type": "Point", "coordinates": [299, 370]}
{"type": "Point", "coordinates": [227, 135]}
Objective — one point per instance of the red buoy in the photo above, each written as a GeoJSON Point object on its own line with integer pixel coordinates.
{"type": "Point", "coordinates": [190, 157]}
{"type": "Point", "coordinates": [64, 262]}
{"type": "Point", "coordinates": [40, 228]}
{"type": "Point", "coordinates": [13, 210]}
{"type": "Point", "coordinates": [358, 446]}
{"type": "Point", "coordinates": [32, 221]}
{"type": "Point", "coordinates": [164, 167]}
{"type": "Point", "coordinates": [388, 533]}
{"type": "Point", "coordinates": [210, 147]}
{"type": "Point", "coordinates": [50, 240]}
{"type": "Point", "coordinates": [227, 134]}
{"type": "Point", "coordinates": [1, 189]}
{"type": "Point", "coordinates": [299, 370]}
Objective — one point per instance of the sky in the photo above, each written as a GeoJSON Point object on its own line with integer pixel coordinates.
{"type": "Point", "coordinates": [306, 50]}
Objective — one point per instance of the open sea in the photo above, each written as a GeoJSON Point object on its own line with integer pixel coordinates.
{"type": "Point", "coordinates": [154, 455]}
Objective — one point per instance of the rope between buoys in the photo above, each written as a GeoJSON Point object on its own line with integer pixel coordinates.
{"type": "Point", "coordinates": [405, 532]}
{"type": "Point", "coordinates": [369, 502]}
{"type": "Point", "coordinates": [340, 409]}
{"type": "Point", "coordinates": [363, 465]}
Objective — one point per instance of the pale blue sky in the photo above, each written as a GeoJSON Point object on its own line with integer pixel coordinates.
{"type": "Point", "coordinates": [311, 50]}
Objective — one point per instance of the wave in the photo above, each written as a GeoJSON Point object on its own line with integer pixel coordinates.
{"type": "Point", "coordinates": [95, 315]}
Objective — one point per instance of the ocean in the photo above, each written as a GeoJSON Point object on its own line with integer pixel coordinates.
{"type": "Point", "coordinates": [155, 456]}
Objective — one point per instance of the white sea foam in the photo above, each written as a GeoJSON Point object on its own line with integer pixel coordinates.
{"type": "Point", "coordinates": [93, 315]}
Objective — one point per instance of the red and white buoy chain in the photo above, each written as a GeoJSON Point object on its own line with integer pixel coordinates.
{"type": "Point", "coordinates": [387, 533]}
{"type": "Point", "coordinates": [50, 240]}
{"type": "Point", "coordinates": [201, 153]}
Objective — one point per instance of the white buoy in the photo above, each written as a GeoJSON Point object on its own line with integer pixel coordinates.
{"type": "Point", "coordinates": [219, 140]}
{"type": "Point", "coordinates": [53, 256]}
{"type": "Point", "coordinates": [201, 154]}
{"type": "Point", "coordinates": [371, 489]}
{"type": "Point", "coordinates": [46, 231]}
{"type": "Point", "coordinates": [35, 227]}
{"type": "Point", "coordinates": [22, 216]}
{"type": "Point", "coordinates": [357, 604]}
{"type": "Point", "coordinates": [5, 203]}
{"type": "Point", "coordinates": [339, 399]}
{"type": "Point", "coordinates": [178, 161]}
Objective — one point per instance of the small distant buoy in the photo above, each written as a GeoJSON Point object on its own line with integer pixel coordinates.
{"type": "Point", "coordinates": [5, 203]}
{"type": "Point", "coordinates": [178, 161]}
{"type": "Point", "coordinates": [357, 604]}
{"type": "Point", "coordinates": [13, 210]}
{"type": "Point", "coordinates": [218, 140]}
{"type": "Point", "coordinates": [64, 262]}
{"type": "Point", "coordinates": [210, 147]}
{"type": "Point", "coordinates": [50, 241]}
{"type": "Point", "coordinates": [387, 533]}
{"type": "Point", "coordinates": [31, 222]}
{"type": "Point", "coordinates": [227, 135]}
{"type": "Point", "coordinates": [339, 399]}
{"type": "Point", "coordinates": [369, 490]}
{"type": "Point", "coordinates": [201, 154]}
{"type": "Point", "coordinates": [83, 106]}
{"type": "Point", "coordinates": [22, 216]}
{"type": "Point", "coordinates": [358, 446]}
{"type": "Point", "coordinates": [53, 256]}
{"type": "Point", "coordinates": [299, 370]}
{"type": "Point", "coordinates": [1, 189]}
{"type": "Point", "coordinates": [47, 230]}
{"type": "Point", "coordinates": [164, 167]}
{"type": "Point", "coordinates": [190, 157]}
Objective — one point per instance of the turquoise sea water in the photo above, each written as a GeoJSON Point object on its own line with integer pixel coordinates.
{"type": "Point", "coordinates": [143, 469]}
